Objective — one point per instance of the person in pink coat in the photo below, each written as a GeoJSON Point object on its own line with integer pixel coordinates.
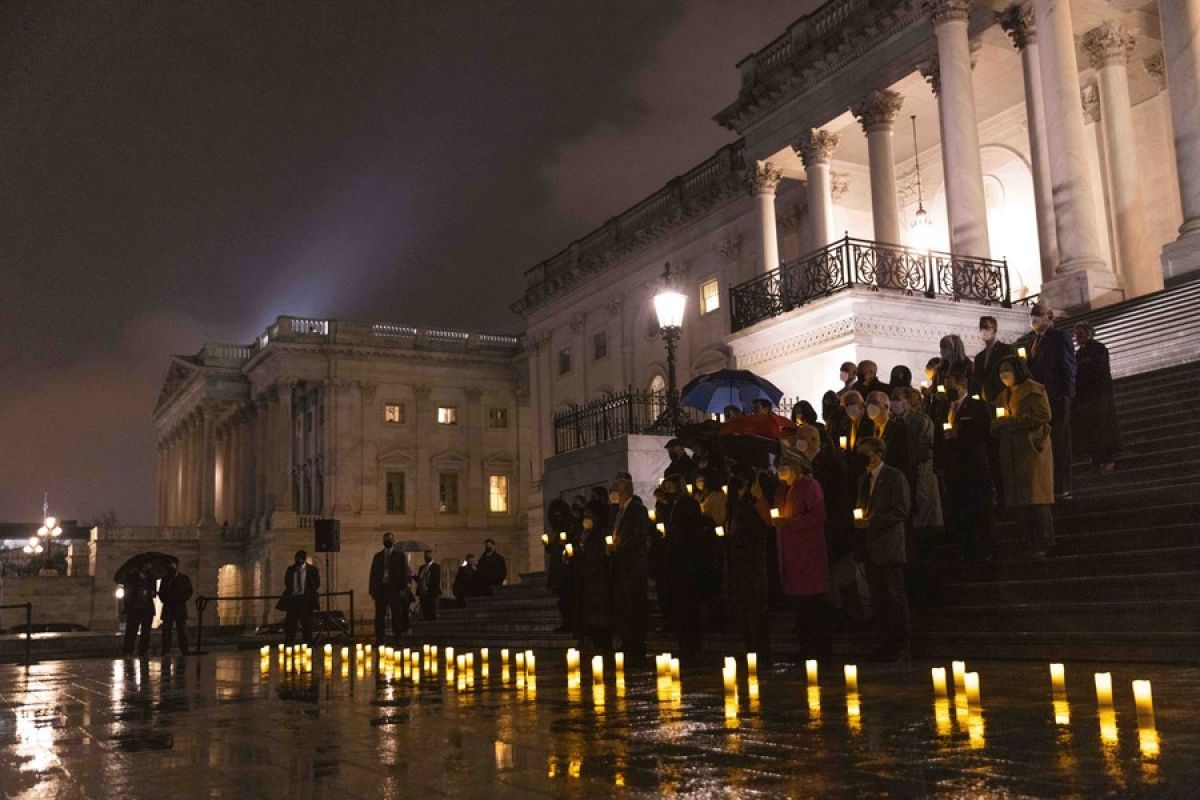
{"type": "Point", "coordinates": [803, 557]}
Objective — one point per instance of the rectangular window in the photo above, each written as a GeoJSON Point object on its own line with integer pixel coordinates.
{"type": "Point", "coordinates": [564, 361]}
{"type": "Point", "coordinates": [447, 415]}
{"type": "Point", "coordinates": [498, 494]}
{"type": "Point", "coordinates": [395, 493]}
{"type": "Point", "coordinates": [600, 345]}
{"type": "Point", "coordinates": [448, 493]}
{"type": "Point", "coordinates": [497, 417]}
{"type": "Point", "coordinates": [394, 413]}
{"type": "Point", "coordinates": [710, 296]}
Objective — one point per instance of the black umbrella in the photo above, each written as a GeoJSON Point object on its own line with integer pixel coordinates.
{"type": "Point", "coordinates": [158, 566]}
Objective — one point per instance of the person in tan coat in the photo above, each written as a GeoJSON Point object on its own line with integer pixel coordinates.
{"type": "Point", "coordinates": [1026, 455]}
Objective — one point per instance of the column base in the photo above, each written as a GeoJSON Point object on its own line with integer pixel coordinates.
{"type": "Point", "coordinates": [1083, 290]}
{"type": "Point", "coordinates": [1181, 256]}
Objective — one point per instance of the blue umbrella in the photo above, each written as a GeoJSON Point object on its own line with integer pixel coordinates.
{"type": "Point", "coordinates": [728, 387]}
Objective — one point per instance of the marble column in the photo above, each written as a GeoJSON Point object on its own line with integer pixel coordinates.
{"type": "Point", "coordinates": [1156, 68]}
{"type": "Point", "coordinates": [877, 115]}
{"type": "Point", "coordinates": [1180, 21]}
{"type": "Point", "coordinates": [187, 509]}
{"type": "Point", "coordinates": [173, 477]}
{"type": "Point", "coordinates": [284, 462]}
{"type": "Point", "coordinates": [1018, 22]}
{"type": "Point", "coordinates": [208, 469]}
{"type": "Point", "coordinates": [765, 181]}
{"type": "Point", "coordinates": [966, 207]}
{"type": "Point", "coordinates": [160, 483]}
{"type": "Point", "coordinates": [1083, 279]}
{"type": "Point", "coordinates": [816, 150]}
{"type": "Point", "coordinates": [262, 413]}
{"type": "Point", "coordinates": [1108, 47]}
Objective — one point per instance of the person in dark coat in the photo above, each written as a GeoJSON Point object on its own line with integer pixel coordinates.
{"type": "Point", "coordinates": [174, 591]}
{"type": "Point", "coordinates": [804, 414]}
{"type": "Point", "coordinates": [848, 375]}
{"type": "Point", "coordinates": [558, 520]}
{"type": "Point", "coordinates": [301, 584]}
{"type": "Point", "coordinates": [685, 549]}
{"type": "Point", "coordinates": [139, 610]}
{"type": "Point", "coordinates": [660, 565]}
{"type": "Point", "coordinates": [746, 538]}
{"type": "Point", "coordinates": [965, 467]}
{"type": "Point", "coordinates": [926, 512]}
{"type": "Point", "coordinates": [681, 462]}
{"type": "Point", "coordinates": [1094, 410]}
{"type": "Point", "coordinates": [388, 586]}
{"type": "Point", "coordinates": [985, 380]}
{"type": "Point", "coordinates": [631, 532]}
{"type": "Point", "coordinates": [429, 586]}
{"type": "Point", "coordinates": [884, 497]}
{"type": "Point", "coordinates": [1052, 364]}
{"type": "Point", "coordinates": [593, 584]}
{"type": "Point", "coordinates": [831, 415]}
{"type": "Point", "coordinates": [854, 427]}
{"type": "Point", "coordinates": [893, 431]}
{"type": "Point", "coordinates": [901, 377]}
{"type": "Point", "coordinates": [466, 580]}
{"type": "Point", "coordinates": [868, 379]}
{"type": "Point", "coordinates": [492, 570]}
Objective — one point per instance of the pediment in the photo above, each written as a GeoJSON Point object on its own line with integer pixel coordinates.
{"type": "Point", "coordinates": [178, 374]}
{"type": "Point", "coordinates": [448, 461]}
{"type": "Point", "coordinates": [499, 462]}
{"type": "Point", "coordinates": [396, 457]}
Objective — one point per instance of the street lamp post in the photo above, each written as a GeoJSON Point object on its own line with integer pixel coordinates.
{"type": "Point", "coordinates": [669, 305]}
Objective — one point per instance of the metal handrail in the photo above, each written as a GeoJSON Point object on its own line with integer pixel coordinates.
{"type": "Point", "coordinates": [28, 628]}
{"type": "Point", "coordinates": [202, 602]}
{"type": "Point", "coordinates": [630, 412]}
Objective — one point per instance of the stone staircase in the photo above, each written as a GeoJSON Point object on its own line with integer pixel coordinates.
{"type": "Point", "coordinates": [1122, 584]}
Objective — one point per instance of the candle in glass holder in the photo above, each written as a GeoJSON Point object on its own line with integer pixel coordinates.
{"type": "Point", "coordinates": [546, 539]}
{"type": "Point", "coordinates": [562, 536]}
{"type": "Point", "coordinates": [924, 384]}
{"type": "Point", "coordinates": [720, 531]}
{"type": "Point", "coordinates": [729, 678]}
{"type": "Point", "coordinates": [608, 541]}
{"type": "Point", "coordinates": [569, 550]}
{"type": "Point", "coordinates": [619, 662]}
{"type": "Point", "coordinates": [1104, 688]}
{"type": "Point", "coordinates": [1058, 678]}
{"type": "Point", "coordinates": [725, 488]}
{"type": "Point", "coordinates": [939, 681]}
{"type": "Point", "coordinates": [674, 669]}
{"type": "Point", "coordinates": [662, 529]}
{"type": "Point", "coordinates": [851, 673]}
{"type": "Point", "coordinates": [774, 513]}
{"type": "Point", "coordinates": [449, 656]}
{"type": "Point", "coordinates": [328, 649]}
{"type": "Point", "coordinates": [752, 665]}
{"type": "Point", "coordinates": [520, 659]}
{"type": "Point", "coordinates": [265, 650]}
{"type": "Point", "coordinates": [1022, 352]}
{"type": "Point", "coordinates": [1001, 412]}
{"type": "Point", "coordinates": [947, 426]}
{"type": "Point", "coordinates": [959, 669]}
{"type": "Point", "coordinates": [689, 488]}
{"type": "Point", "coordinates": [843, 442]}
{"type": "Point", "coordinates": [651, 514]}
{"type": "Point", "coordinates": [859, 514]}
{"type": "Point", "coordinates": [971, 682]}
{"type": "Point", "coordinates": [810, 666]}
{"type": "Point", "coordinates": [530, 664]}
{"type": "Point", "coordinates": [1145, 704]}
{"type": "Point", "coordinates": [597, 669]}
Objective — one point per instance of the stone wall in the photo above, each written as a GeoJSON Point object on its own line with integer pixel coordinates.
{"type": "Point", "coordinates": [54, 598]}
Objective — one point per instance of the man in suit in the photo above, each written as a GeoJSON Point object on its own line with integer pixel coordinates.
{"type": "Point", "coordinates": [429, 586]}
{"type": "Point", "coordinates": [301, 583]}
{"type": "Point", "coordinates": [388, 587]}
{"type": "Point", "coordinates": [139, 610]}
{"type": "Point", "coordinates": [1052, 363]}
{"type": "Point", "coordinates": [174, 591]}
{"type": "Point", "coordinates": [631, 568]}
{"type": "Point", "coordinates": [681, 462]}
{"type": "Point", "coordinates": [985, 381]}
{"type": "Point", "coordinates": [492, 570]}
{"type": "Point", "coordinates": [883, 495]}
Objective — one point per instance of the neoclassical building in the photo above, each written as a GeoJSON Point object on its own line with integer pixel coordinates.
{"type": "Point", "coordinates": [900, 169]}
{"type": "Point", "coordinates": [380, 426]}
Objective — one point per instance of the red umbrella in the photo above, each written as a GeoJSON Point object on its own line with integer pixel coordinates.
{"type": "Point", "coordinates": [766, 425]}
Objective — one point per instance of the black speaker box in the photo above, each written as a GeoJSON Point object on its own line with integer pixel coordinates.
{"type": "Point", "coordinates": [328, 534]}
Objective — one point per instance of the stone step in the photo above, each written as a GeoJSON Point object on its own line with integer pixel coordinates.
{"type": "Point", "coordinates": [1129, 490]}
{"type": "Point", "coordinates": [1146, 586]}
{"type": "Point", "coordinates": [1168, 454]}
{"type": "Point", "coordinates": [1081, 565]}
{"type": "Point", "coordinates": [1100, 646]}
{"type": "Point", "coordinates": [1178, 468]}
{"type": "Point", "coordinates": [1110, 615]}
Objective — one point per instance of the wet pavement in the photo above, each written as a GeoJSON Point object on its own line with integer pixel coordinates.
{"type": "Point", "coordinates": [227, 725]}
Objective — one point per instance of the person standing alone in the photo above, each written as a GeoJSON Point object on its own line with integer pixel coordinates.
{"type": "Point", "coordinates": [388, 587]}
{"type": "Point", "coordinates": [493, 570]}
{"type": "Point", "coordinates": [429, 586]}
{"type": "Point", "coordinates": [299, 600]}
{"type": "Point", "coordinates": [174, 591]}
{"type": "Point", "coordinates": [1052, 364]}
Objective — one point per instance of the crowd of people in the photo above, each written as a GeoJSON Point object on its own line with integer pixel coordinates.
{"type": "Point", "coordinates": [844, 520]}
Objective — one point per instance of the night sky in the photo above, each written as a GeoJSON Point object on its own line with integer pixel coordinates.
{"type": "Point", "coordinates": [176, 172]}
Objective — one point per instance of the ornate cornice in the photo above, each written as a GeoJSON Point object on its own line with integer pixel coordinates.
{"type": "Point", "coordinates": [765, 178]}
{"type": "Point", "coordinates": [943, 11]}
{"type": "Point", "coordinates": [1156, 67]}
{"type": "Point", "coordinates": [877, 111]}
{"type": "Point", "coordinates": [1108, 44]}
{"type": "Point", "coordinates": [730, 247]}
{"type": "Point", "coordinates": [1019, 24]}
{"type": "Point", "coordinates": [817, 147]}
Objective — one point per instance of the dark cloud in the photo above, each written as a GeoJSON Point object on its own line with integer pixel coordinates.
{"type": "Point", "coordinates": [174, 172]}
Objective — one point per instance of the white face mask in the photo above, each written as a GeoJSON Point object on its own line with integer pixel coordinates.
{"type": "Point", "coordinates": [987, 335]}
{"type": "Point", "coordinates": [1036, 322]}
{"type": "Point", "coordinates": [854, 411]}
{"type": "Point", "coordinates": [1008, 379]}
{"type": "Point", "coordinates": [873, 410]}
{"type": "Point", "coordinates": [845, 376]}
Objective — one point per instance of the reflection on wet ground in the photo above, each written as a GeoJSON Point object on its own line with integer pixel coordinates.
{"type": "Point", "coordinates": [237, 725]}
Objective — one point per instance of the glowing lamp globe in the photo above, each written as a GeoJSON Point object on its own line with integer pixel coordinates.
{"type": "Point", "coordinates": [120, 592]}
{"type": "Point", "coordinates": [33, 541]}
{"type": "Point", "coordinates": [921, 235]}
{"type": "Point", "coordinates": [57, 531]}
{"type": "Point", "coordinates": [43, 531]}
{"type": "Point", "coordinates": [51, 522]}
{"type": "Point", "coordinates": [668, 305]}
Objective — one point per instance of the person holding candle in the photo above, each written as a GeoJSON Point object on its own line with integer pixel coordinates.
{"type": "Point", "coordinates": [593, 586]}
{"type": "Point", "coordinates": [803, 413]}
{"type": "Point", "coordinates": [831, 415]}
{"type": "Point", "coordinates": [1026, 454]}
{"type": "Point", "coordinates": [919, 471]}
{"type": "Point", "coordinates": [747, 537]}
{"type": "Point", "coordinates": [891, 429]}
{"type": "Point", "coordinates": [803, 556]}
{"type": "Point", "coordinates": [931, 399]}
{"type": "Point", "coordinates": [1052, 364]}
{"type": "Point", "coordinates": [854, 426]}
{"type": "Point", "coordinates": [1094, 410]}
{"type": "Point", "coordinates": [559, 520]}
{"type": "Point", "coordinates": [681, 462]}
{"type": "Point", "coordinates": [712, 507]}
{"type": "Point", "coordinates": [985, 380]}
{"type": "Point", "coordinates": [464, 580]}
{"type": "Point", "coordinates": [884, 497]}
{"type": "Point", "coordinates": [632, 533]}
{"type": "Point", "coordinates": [963, 459]}
{"type": "Point", "coordinates": [685, 529]}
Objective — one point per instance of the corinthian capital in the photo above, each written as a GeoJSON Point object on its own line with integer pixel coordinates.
{"type": "Point", "coordinates": [817, 147]}
{"type": "Point", "coordinates": [877, 111]}
{"type": "Point", "coordinates": [765, 178]}
{"type": "Point", "coordinates": [1108, 44]}
{"type": "Point", "coordinates": [1018, 23]}
{"type": "Point", "coordinates": [1156, 67]}
{"type": "Point", "coordinates": [942, 11]}
{"type": "Point", "coordinates": [932, 73]}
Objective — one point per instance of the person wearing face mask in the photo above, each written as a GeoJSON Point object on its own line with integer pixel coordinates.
{"type": "Point", "coordinates": [963, 459]}
{"type": "Point", "coordinates": [950, 350]}
{"type": "Point", "coordinates": [1094, 410]}
{"type": "Point", "coordinates": [1026, 455]}
{"type": "Point", "coordinates": [465, 580]}
{"type": "Point", "coordinates": [854, 427]}
{"type": "Point", "coordinates": [932, 400]}
{"type": "Point", "coordinates": [388, 586]}
{"type": "Point", "coordinates": [868, 379]}
{"type": "Point", "coordinates": [919, 472]}
{"type": "Point", "coordinates": [985, 381]}
{"type": "Point", "coordinates": [492, 569]}
{"type": "Point", "coordinates": [429, 583]}
{"type": "Point", "coordinates": [685, 530]}
{"type": "Point", "coordinates": [681, 462]}
{"type": "Point", "coordinates": [746, 539]}
{"type": "Point", "coordinates": [803, 556]}
{"type": "Point", "coordinates": [901, 377]}
{"type": "Point", "coordinates": [174, 591]}
{"type": "Point", "coordinates": [848, 375]}
{"type": "Point", "coordinates": [884, 497]}
{"type": "Point", "coordinates": [631, 532]}
{"type": "Point", "coordinates": [1052, 364]}
{"type": "Point", "coordinates": [890, 429]}
{"type": "Point", "coordinates": [594, 588]}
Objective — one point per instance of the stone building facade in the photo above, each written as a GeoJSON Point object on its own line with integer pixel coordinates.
{"type": "Point", "coordinates": [379, 426]}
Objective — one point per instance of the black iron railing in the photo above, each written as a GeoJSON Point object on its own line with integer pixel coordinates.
{"type": "Point", "coordinates": [858, 262]}
{"type": "Point", "coordinates": [631, 411]}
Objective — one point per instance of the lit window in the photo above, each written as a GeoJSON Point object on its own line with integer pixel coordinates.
{"type": "Point", "coordinates": [600, 345]}
{"type": "Point", "coordinates": [498, 494]}
{"type": "Point", "coordinates": [395, 493]}
{"type": "Point", "coordinates": [447, 415]}
{"type": "Point", "coordinates": [394, 413]}
{"type": "Point", "coordinates": [710, 296]}
{"type": "Point", "coordinates": [448, 493]}
{"type": "Point", "coordinates": [564, 361]}
{"type": "Point", "coordinates": [497, 417]}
